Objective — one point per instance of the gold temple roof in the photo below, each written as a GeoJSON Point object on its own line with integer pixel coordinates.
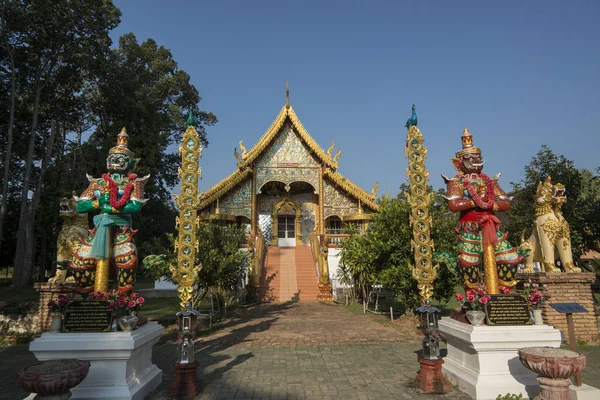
{"type": "Point", "coordinates": [247, 158]}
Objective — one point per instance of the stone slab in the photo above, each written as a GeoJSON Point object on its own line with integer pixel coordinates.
{"type": "Point", "coordinates": [483, 360]}
{"type": "Point", "coordinates": [121, 366]}
{"type": "Point", "coordinates": [584, 392]}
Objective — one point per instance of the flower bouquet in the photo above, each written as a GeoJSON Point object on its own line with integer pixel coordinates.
{"type": "Point", "coordinates": [536, 295]}
{"type": "Point", "coordinates": [473, 301]}
{"type": "Point", "coordinates": [58, 307]}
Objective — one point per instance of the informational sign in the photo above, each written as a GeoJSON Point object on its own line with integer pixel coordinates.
{"type": "Point", "coordinates": [507, 309]}
{"type": "Point", "coordinates": [88, 316]}
{"type": "Point", "coordinates": [568, 308]}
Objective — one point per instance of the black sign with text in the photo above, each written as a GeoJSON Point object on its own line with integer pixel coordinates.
{"type": "Point", "coordinates": [567, 308]}
{"type": "Point", "coordinates": [88, 316]}
{"type": "Point", "coordinates": [507, 309]}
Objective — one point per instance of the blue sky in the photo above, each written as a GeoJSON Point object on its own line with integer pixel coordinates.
{"type": "Point", "coordinates": [517, 74]}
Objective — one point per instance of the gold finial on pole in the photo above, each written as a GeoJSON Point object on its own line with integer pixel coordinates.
{"type": "Point", "coordinates": [287, 95]}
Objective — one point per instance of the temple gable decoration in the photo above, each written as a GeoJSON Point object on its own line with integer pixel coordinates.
{"type": "Point", "coordinates": [286, 162]}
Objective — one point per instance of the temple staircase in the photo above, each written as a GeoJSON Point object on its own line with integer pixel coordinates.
{"type": "Point", "coordinates": [289, 275]}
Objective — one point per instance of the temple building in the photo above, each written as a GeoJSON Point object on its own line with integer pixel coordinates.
{"type": "Point", "coordinates": [295, 204]}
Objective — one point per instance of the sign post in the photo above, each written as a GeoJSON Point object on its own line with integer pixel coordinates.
{"type": "Point", "coordinates": [569, 309]}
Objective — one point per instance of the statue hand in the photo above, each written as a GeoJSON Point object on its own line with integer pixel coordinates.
{"type": "Point", "coordinates": [103, 200]}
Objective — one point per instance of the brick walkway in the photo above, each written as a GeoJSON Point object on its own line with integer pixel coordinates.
{"type": "Point", "coordinates": [303, 351]}
{"type": "Point", "coordinates": [293, 351]}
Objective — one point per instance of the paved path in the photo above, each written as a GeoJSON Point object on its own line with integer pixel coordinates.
{"type": "Point", "coordinates": [303, 351]}
{"type": "Point", "coordinates": [293, 351]}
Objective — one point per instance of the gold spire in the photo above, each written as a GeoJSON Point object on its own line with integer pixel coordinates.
{"type": "Point", "coordinates": [287, 95]}
{"type": "Point", "coordinates": [122, 142]}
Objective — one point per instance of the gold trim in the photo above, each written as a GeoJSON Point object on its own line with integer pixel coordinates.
{"type": "Point", "coordinates": [357, 217]}
{"type": "Point", "coordinates": [351, 188]}
{"type": "Point", "coordinates": [326, 158]}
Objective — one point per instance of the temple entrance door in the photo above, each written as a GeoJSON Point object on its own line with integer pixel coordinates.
{"type": "Point", "coordinates": [286, 230]}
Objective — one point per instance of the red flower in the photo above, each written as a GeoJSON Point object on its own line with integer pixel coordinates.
{"type": "Point", "coordinates": [131, 303]}
{"type": "Point", "coordinates": [483, 300]}
{"type": "Point", "coordinates": [481, 292]}
{"type": "Point", "coordinates": [133, 295]}
{"type": "Point", "coordinates": [470, 298]}
{"type": "Point", "coordinates": [471, 292]}
{"type": "Point", "coordinates": [111, 305]}
{"type": "Point", "coordinates": [140, 300]}
{"type": "Point", "coordinates": [547, 296]}
{"type": "Point", "coordinates": [122, 303]}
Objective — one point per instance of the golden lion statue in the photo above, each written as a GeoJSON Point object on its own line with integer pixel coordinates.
{"type": "Point", "coordinates": [551, 238]}
{"type": "Point", "coordinates": [74, 230]}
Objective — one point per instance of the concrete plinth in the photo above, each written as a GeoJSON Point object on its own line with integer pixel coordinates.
{"type": "Point", "coordinates": [483, 360]}
{"type": "Point", "coordinates": [584, 392]}
{"type": "Point", "coordinates": [121, 366]}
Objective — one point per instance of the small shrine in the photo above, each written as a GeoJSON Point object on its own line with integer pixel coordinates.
{"type": "Point", "coordinates": [286, 189]}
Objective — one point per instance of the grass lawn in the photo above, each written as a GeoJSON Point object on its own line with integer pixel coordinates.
{"type": "Point", "coordinates": [160, 308]}
{"type": "Point", "coordinates": [9, 294]}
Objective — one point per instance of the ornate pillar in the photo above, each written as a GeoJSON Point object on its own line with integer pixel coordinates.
{"type": "Point", "coordinates": [321, 213]}
{"type": "Point", "coordinates": [274, 228]}
{"type": "Point", "coordinates": [298, 233]}
{"type": "Point", "coordinates": [420, 220]}
{"type": "Point", "coordinates": [185, 273]}
{"type": "Point", "coordinates": [324, 285]}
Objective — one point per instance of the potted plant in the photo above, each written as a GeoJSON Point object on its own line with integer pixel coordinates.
{"type": "Point", "coordinates": [56, 309]}
{"type": "Point", "coordinates": [536, 297]}
{"type": "Point", "coordinates": [473, 301]}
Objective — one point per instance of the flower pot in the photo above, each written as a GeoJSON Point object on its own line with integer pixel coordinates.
{"type": "Point", "coordinates": [53, 379]}
{"type": "Point", "coordinates": [56, 324]}
{"type": "Point", "coordinates": [127, 323]}
{"type": "Point", "coordinates": [475, 317]}
{"type": "Point", "coordinates": [538, 319]}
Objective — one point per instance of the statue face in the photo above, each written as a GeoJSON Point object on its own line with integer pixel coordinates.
{"type": "Point", "coordinates": [118, 162]}
{"type": "Point", "coordinates": [471, 163]}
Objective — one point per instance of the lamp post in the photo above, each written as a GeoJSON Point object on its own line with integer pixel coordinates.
{"type": "Point", "coordinates": [185, 367]}
{"type": "Point", "coordinates": [429, 326]}
{"type": "Point", "coordinates": [430, 378]}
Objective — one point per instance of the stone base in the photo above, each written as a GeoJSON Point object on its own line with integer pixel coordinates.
{"type": "Point", "coordinates": [325, 292]}
{"type": "Point", "coordinates": [430, 378]}
{"type": "Point", "coordinates": [121, 367]}
{"type": "Point", "coordinates": [584, 392]}
{"type": "Point", "coordinates": [185, 382]}
{"type": "Point", "coordinates": [483, 360]}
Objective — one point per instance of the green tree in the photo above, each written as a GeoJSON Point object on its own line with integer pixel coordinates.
{"type": "Point", "coordinates": [52, 44]}
{"type": "Point", "coordinates": [580, 191]}
{"type": "Point", "coordinates": [383, 255]}
{"type": "Point", "coordinates": [142, 89]}
{"type": "Point", "coordinates": [223, 265]}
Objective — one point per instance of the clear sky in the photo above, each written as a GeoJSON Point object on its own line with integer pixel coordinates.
{"type": "Point", "coordinates": [518, 74]}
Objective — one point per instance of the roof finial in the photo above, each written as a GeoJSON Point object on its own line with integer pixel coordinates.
{"type": "Point", "coordinates": [287, 95]}
{"type": "Point", "coordinates": [191, 120]}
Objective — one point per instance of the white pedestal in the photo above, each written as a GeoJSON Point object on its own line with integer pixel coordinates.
{"type": "Point", "coordinates": [584, 392]}
{"type": "Point", "coordinates": [483, 360]}
{"type": "Point", "coordinates": [121, 366]}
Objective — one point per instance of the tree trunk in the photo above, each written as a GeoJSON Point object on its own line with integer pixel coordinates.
{"type": "Point", "coordinates": [7, 159]}
{"type": "Point", "coordinates": [42, 258]}
{"type": "Point", "coordinates": [24, 253]}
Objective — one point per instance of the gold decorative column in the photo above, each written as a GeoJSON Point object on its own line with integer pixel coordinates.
{"type": "Point", "coordinates": [185, 272]}
{"type": "Point", "coordinates": [420, 220]}
{"type": "Point", "coordinates": [324, 285]}
{"type": "Point", "coordinates": [321, 211]}
{"type": "Point", "coordinates": [252, 242]}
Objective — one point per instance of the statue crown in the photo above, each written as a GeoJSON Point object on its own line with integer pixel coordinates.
{"type": "Point", "coordinates": [467, 144]}
{"type": "Point", "coordinates": [122, 142]}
